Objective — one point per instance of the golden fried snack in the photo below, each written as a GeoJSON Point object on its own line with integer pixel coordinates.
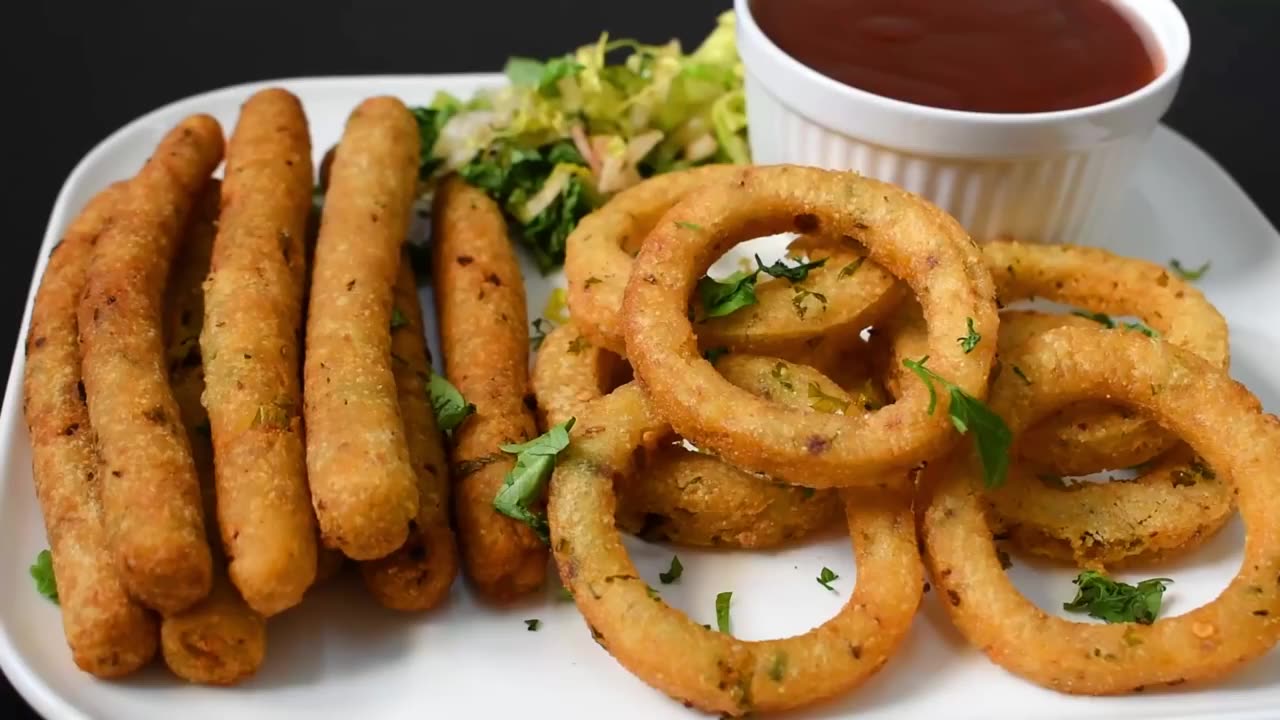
{"type": "Point", "coordinates": [108, 632]}
{"type": "Point", "coordinates": [362, 485]}
{"type": "Point", "coordinates": [150, 493]}
{"type": "Point", "coordinates": [680, 495]}
{"type": "Point", "coordinates": [251, 349]}
{"type": "Point", "coordinates": [418, 575]}
{"type": "Point", "coordinates": [485, 339]}
{"type": "Point", "coordinates": [219, 640]}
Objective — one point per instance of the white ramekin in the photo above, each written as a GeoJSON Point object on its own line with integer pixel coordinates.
{"type": "Point", "coordinates": [1047, 176]}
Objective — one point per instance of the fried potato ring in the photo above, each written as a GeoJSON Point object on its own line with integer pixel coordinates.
{"type": "Point", "coordinates": [713, 671]}
{"type": "Point", "coordinates": [418, 575]}
{"type": "Point", "coordinates": [680, 495]}
{"type": "Point", "coordinates": [109, 633]}
{"type": "Point", "coordinates": [1193, 399]}
{"type": "Point", "coordinates": [251, 347]}
{"type": "Point", "coordinates": [220, 640]}
{"type": "Point", "coordinates": [1174, 505]}
{"type": "Point", "coordinates": [1095, 436]}
{"type": "Point", "coordinates": [902, 233]}
{"type": "Point", "coordinates": [598, 261]}
{"type": "Point", "coordinates": [362, 487]}
{"type": "Point", "coordinates": [484, 338]}
{"type": "Point", "coordinates": [150, 493]}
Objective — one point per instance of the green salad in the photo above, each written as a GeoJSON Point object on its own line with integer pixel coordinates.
{"type": "Point", "coordinates": [568, 132]}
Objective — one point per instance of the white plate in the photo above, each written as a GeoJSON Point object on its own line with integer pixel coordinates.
{"type": "Point", "coordinates": [340, 655]}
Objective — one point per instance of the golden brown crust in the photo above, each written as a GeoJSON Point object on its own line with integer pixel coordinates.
{"type": "Point", "coordinates": [219, 640]}
{"type": "Point", "coordinates": [150, 494]}
{"type": "Point", "coordinates": [362, 486]}
{"type": "Point", "coordinates": [484, 335]}
{"type": "Point", "coordinates": [251, 350]}
{"type": "Point", "coordinates": [109, 633]}
{"type": "Point", "coordinates": [418, 575]}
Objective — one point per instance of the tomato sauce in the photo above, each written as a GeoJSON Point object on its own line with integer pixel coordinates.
{"type": "Point", "coordinates": [995, 56]}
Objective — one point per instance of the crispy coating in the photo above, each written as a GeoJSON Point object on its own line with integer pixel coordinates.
{"type": "Point", "coordinates": [150, 493]}
{"type": "Point", "coordinates": [362, 485]}
{"type": "Point", "coordinates": [252, 354]}
{"type": "Point", "coordinates": [219, 640]}
{"type": "Point", "coordinates": [709, 670]}
{"type": "Point", "coordinates": [680, 495]}
{"type": "Point", "coordinates": [1097, 436]}
{"type": "Point", "coordinates": [599, 258]}
{"type": "Point", "coordinates": [485, 339]}
{"type": "Point", "coordinates": [417, 576]}
{"type": "Point", "coordinates": [1195, 400]}
{"type": "Point", "coordinates": [908, 237]}
{"type": "Point", "coordinates": [109, 633]}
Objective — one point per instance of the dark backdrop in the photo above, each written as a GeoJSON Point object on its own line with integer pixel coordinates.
{"type": "Point", "coordinates": [77, 71]}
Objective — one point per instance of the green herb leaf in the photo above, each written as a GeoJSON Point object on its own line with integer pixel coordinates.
{"type": "Point", "coordinates": [722, 611]}
{"type": "Point", "coordinates": [798, 300]}
{"type": "Point", "coordinates": [42, 573]}
{"type": "Point", "coordinates": [540, 328]}
{"type": "Point", "coordinates": [688, 225]}
{"type": "Point", "coordinates": [715, 353]}
{"type": "Point", "coordinates": [826, 577]}
{"type": "Point", "coordinates": [825, 403]}
{"type": "Point", "coordinates": [1102, 319]}
{"type": "Point", "coordinates": [794, 273]}
{"type": "Point", "coordinates": [850, 269]}
{"type": "Point", "coordinates": [525, 482]}
{"type": "Point", "coordinates": [1189, 274]}
{"type": "Point", "coordinates": [722, 297]}
{"type": "Point", "coordinates": [430, 120]}
{"type": "Point", "coordinates": [778, 667]}
{"type": "Point", "coordinates": [991, 435]}
{"type": "Point", "coordinates": [579, 344]}
{"type": "Point", "coordinates": [971, 339]}
{"type": "Point", "coordinates": [564, 594]}
{"type": "Point", "coordinates": [533, 624]}
{"type": "Point", "coordinates": [523, 71]}
{"type": "Point", "coordinates": [1142, 328]}
{"type": "Point", "coordinates": [449, 405]}
{"type": "Point", "coordinates": [398, 320]}
{"type": "Point", "coordinates": [673, 573]}
{"type": "Point", "coordinates": [1116, 602]}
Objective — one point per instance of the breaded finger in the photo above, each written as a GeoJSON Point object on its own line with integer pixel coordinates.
{"type": "Point", "coordinates": [219, 640]}
{"type": "Point", "coordinates": [362, 485]}
{"type": "Point", "coordinates": [418, 575]}
{"type": "Point", "coordinates": [485, 339]}
{"type": "Point", "coordinates": [109, 633]}
{"type": "Point", "coordinates": [150, 494]}
{"type": "Point", "coordinates": [251, 349]}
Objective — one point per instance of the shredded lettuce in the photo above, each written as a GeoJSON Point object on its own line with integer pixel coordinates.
{"type": "Point", "coordinates": [566, 133]}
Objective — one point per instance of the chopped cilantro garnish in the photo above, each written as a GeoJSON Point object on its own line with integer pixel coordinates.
{"type": "Point", "coordinates": [673, 573]}
{"type": "Point", "coordinates": [971, 338]}
{"type": "Point", "coordinates": [826, 577]}
{"type": "Point", "coordinates": [449, 405]}
{"type": "Point", "coordinates": [1189, 274]}
{"type": "Point", "coordinates": [533, 624]}
{"type": "Point", "coordinates": [990, 434]}
{"type": "Point", "coordinates": [42, 573]}
{"type": "Point", "coordinates": [1116, 602]}
{"type": "Point", "coordinates": [525, 482]}
{"type": "Point", "coordinates": [398, 320]}
{"type": "Point", "coordinates": [722, 611]}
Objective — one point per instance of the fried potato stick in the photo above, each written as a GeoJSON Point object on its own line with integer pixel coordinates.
{"type": "Point", "coordinates": [219, 640]}
{"type": "Point", "coordinates": [150, 494]}
{"type": "Point", "coordinates": [108, 632]}
{"type": "Point", "coordinates": [418, 575]}
{"type": "Point", "coordinates": [251, 349]}
{"type": "Point", "coordinates": [485, 338]}
{"type": "Point", "coordinates": [362, 485]}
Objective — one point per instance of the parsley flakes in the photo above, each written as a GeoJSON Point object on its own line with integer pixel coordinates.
{"type": "Point", "coordinates": [990, 434]}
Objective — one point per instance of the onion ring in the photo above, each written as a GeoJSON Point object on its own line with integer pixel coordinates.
{"type": "Point", "coordinates": [680, 495]}
{"type": "Point", "coordinates": [714, 671]}
{"type": "Point", "coordinates": [902, 233]}
{"type": "Point", "coordinates": [599, 259]}
{"type": "Point", "coordinates": [1095, 437]}
{"type": "Point", "coordinates": [1191, 398]}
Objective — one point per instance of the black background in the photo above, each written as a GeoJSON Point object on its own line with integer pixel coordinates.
{"type": "Point", "coordinates": [78, 71]}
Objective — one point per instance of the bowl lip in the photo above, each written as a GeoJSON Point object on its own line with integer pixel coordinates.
{"type": "Point", "coordinates": [1174, 50]}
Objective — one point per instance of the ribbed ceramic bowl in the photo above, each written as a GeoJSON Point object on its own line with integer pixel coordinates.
{"type": "Point", "coordinates": [1049, 177]}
